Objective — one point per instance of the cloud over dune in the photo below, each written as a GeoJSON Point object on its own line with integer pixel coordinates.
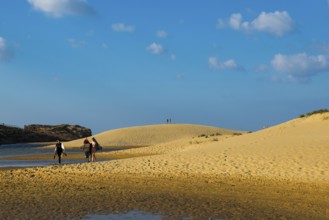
{"type": "Point", "coordinates": [278, 23]}
{"type": "Point", "coordinates": [224, 65]}
{"type": "Point", "coordinates": [155, 48]}
{"type": "Point", "coordinates": [59, 8]}
{"type": "Point", "coordinates": [300, 67]}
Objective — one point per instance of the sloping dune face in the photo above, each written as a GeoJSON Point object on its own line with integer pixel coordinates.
{"type": "Point", "coordinates": [297, 149]}
{"type": "Point", "coordinates": [152, 134]}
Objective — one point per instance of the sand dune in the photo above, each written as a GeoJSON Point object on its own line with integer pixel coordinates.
{"type": "Point", "coordinates": [297, 149]}
{"type": "Point", "coordinates": [152, 134]}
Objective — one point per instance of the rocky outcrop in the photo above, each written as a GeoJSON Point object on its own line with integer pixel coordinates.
{"type": "Point", "coordinates": [9, 133]}
{"type": "Point", "coordinates": [42, 133]}
{"type": "Point", "coordinates": [62, 132]}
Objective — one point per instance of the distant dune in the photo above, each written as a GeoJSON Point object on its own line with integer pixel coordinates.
{"type": "Point", "coordinates": [297, 149]}
{"type": "Point", "coordinates": [152, 134]}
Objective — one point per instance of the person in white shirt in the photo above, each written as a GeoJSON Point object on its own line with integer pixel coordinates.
{"type": "Point", "coordinates": [59, 150]}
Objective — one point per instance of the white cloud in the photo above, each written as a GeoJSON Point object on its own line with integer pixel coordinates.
{"type": "Point", "coordinates": [235, 21]}
{"type": "Point", "coordinates": [277, 23]}
{"type": "Point", "coordinates": [162, 34]}
{"type": "Point", "coordinates": [59, 8]}
{"type": "Point", "coordinates": [5, 52]}
{"type": "Point", "coordinates": [76, 43]}
{"type": "Point", "coordinates": [121, 27]}
{"type": "Point", "coordinates": [225, 65]}
{"type": "Point", "coordinates": [155, 48]}
{"type": "Point", "coordinates": [300, 67]}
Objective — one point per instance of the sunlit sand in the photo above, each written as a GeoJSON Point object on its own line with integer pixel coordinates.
{"type": "Point", "coordinates": [185, 170]}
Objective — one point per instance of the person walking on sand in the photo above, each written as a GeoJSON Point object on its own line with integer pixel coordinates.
{"type": "Point", "coordinates": [86, 149]}
{"type": "Point", "coordinates": [94, 147]}
{"type": "Point", "coordinates": [59, 150]}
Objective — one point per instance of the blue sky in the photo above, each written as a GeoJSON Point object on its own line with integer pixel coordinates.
{"type": "Point", "coordinates": [112, 64]}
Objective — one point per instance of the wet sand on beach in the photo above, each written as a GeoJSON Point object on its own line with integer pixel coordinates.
{"type": "Point", "coordinates": [72, 156]}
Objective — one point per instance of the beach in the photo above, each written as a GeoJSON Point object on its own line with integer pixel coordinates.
{"type": "Point", "coordinates": [185, 171]}
{"type": "Point", "coordinates": [65, 193]}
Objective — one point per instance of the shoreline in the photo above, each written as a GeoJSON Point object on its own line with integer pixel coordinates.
{"type": "Point", "coordinates": [106, 155]}
{"type": "Point", "coordinates": [38, 143]}
{"type": "Point", "coordinates": [70, 159]}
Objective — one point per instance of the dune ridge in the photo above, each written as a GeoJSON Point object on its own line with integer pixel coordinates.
{"type": "Point", "coordinates": [152, 134]}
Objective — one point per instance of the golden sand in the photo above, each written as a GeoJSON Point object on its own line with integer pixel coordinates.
{"type": "Point", "coordinates": [67, 192]}
{"type": "Point", "coordinates": [276, 173]}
